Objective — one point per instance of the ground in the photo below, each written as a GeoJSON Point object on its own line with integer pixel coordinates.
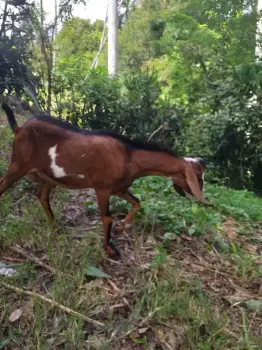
{"type": "Point", "coordinates": [189, 276]}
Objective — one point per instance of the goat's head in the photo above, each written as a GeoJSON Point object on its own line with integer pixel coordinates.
{"type": "Point", "coordinates": [191, 182]}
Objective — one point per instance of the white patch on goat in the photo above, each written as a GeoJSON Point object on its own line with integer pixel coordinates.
{"type": "Point", "coordinates": [57, 170]}
{"type": "Point", "coordinates": [81, 176]}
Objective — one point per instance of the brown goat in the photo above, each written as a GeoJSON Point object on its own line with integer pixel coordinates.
{"type": "Point", "coordinates": [59, 154]}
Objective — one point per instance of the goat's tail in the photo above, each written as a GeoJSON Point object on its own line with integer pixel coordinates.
{"type": "Point", "coordinates": [11, 118]}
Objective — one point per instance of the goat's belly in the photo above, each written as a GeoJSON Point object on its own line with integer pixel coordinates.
{"type": "Point", "coordinates": [67, 181]}
{"type": "Point", "coordinates": [74, 181]}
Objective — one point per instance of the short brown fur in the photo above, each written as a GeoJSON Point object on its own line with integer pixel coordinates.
{"type": "Point", "coordinates": [101, 162]}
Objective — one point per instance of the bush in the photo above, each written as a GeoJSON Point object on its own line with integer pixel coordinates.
{"type": "Point", "coordinates": [128, 104]}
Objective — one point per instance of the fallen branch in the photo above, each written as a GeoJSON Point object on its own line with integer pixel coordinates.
{"type": "Point", "coordinates": [37, 261]}
{"type": "Point", "coordinates": [52, 302]}
{"type": "Point", "coordinates": [13, 260]}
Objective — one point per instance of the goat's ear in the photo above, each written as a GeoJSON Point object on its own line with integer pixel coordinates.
{"type": "Point", "coordinates": [192, 182]}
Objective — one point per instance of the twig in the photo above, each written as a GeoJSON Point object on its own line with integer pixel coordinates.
{"type": "Point", "coordinates": [37, 261]}
{"type": "Point", "coordinates": [113, 261]}
{"type": "Point", "coordinates": [117, 306]}
{"type": "Point", "coordinates": [155, 132]}
{"type": "Point", "coordinates": [112, 284]}
{"type": "Point", "coordinates": [116, 289]}
{"type": "Point", "coordinates": [151, 314]}
{"type": "Point", "coordinates": [102, 43]}
{"type": "Point", "coordinates": [227, 331]}
{"type": "Point", "coordinates": [236, 286]}
{"type": "Point", "coordinates": [52, 302]}
{"type": "Point", "coordinates": [254, 316]}
{"type": "Point", "coordinates": [21, 199]}
{"type": "Point", "coordinates": [13, 259]}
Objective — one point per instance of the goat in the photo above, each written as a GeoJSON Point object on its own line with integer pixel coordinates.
{"type": "Point", "coordinates": [56, 153]}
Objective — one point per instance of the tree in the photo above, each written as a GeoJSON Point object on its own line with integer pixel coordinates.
{"type": "Point", "coordinates": [88, 37]}
{"type": "Point", "coordinates": [15, 52]}
{"type": "Point", "coordinates": [44, 43]}
{"type": "Point", "coordinates": [259, 30]}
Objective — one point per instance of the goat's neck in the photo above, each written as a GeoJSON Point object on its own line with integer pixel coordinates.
{"type": "Point", "coordinates": [146, 163]}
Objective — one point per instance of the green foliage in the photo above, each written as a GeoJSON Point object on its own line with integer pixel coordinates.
{"type": "Point", "coordinates": [176, 215]}
{"type": "Point", "coordinates": [203, 55]}
{"type": "Point", "coordinates": [77, 37]}
{"type": "Point", "coordinates": [129, 104]}
{"type": "Point", "coordinates": [15, 49]}
{"type": "Point", "coordinates": [188, 66]}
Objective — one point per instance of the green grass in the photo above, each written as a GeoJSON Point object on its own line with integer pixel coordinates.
{"type": "Point", "coordinates": [183, 272]}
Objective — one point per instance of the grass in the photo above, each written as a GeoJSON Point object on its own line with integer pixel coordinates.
{"type": "Point", "coordinates": [183, 282]}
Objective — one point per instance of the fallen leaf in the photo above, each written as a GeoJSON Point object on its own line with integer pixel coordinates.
{"type": "Point", "coordinates": [143, 330]}
{"type": "Point", "coordinates": [145, 266]}
{"type": "Point", "coordinates": [94, 285]}
{"type": "Point", "coordinates": [15, 315]}
{"type": "Point", "coordinates": [229, 228]}
{"type": "Point", "coordinates": [136, 339]}
{"type": "Point", "coordinates": [258, 261]}
{"type": "Point", "coordinates": [28, 309]}
{"type": "Point", "coordinates": [167, 340]}
{"type": "Point", "coordinates": [237, 298]}
{"type": "Point", "coordinates": [186, 238]}
{"type": "Point", "coordinates": [220, 244]}
{"type": "Point", "coordinates": [4, 342]}
{"type": "Point", "coordinates": [93, 271]}
{"type": "Point", "coordinates": [170, 236]}
{"type": "Point", "coordinates": [254, 305]}
{"type": "Point", "coordinates": [150, 241]}
{"type": "Point", "coordinates": [251, 248]}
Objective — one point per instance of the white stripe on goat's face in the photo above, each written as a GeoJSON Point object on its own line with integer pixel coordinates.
{"type": "Point", "coordinates": [193, 160]}
{"type": "Point", "coordinates": [203, 178]}
{"type": "Point", "coordinates": [58, 171]}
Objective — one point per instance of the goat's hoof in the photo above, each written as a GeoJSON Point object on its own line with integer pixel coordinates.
{"type": "Point", "coordinates": [112, 251]}
{"type": "Point", "coordinates": [119, 228]}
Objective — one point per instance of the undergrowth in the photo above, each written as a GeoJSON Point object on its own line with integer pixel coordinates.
{"type": "Point", "coordinates": [184, 281]}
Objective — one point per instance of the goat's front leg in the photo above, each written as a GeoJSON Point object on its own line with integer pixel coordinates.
{"type": "Point", "coordinates": [43, 196]}
{"type": "Point", "coordinates": [130, 216]}
{"type": "Point", "coordinates": [103, 203]}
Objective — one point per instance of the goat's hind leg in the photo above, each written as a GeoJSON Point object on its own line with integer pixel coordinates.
{"type": "Point", "coordinates": [43, 196]}
{"type": "Point", "coordinates": [14, 174]}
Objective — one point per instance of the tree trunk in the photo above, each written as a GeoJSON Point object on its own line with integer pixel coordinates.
{"type": "Point", "coordinates": [48, 59]}
{"type": "Point", "coordinates": [258, 51]}
{"type": "Point", "coordinates": [112, 37]}
{"type": "Point", "coordinates": [53, 37]}
{"type": "Point", "coordinates": [2, 30]}
{"type": "Point", "coordinates": [49, 89]}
